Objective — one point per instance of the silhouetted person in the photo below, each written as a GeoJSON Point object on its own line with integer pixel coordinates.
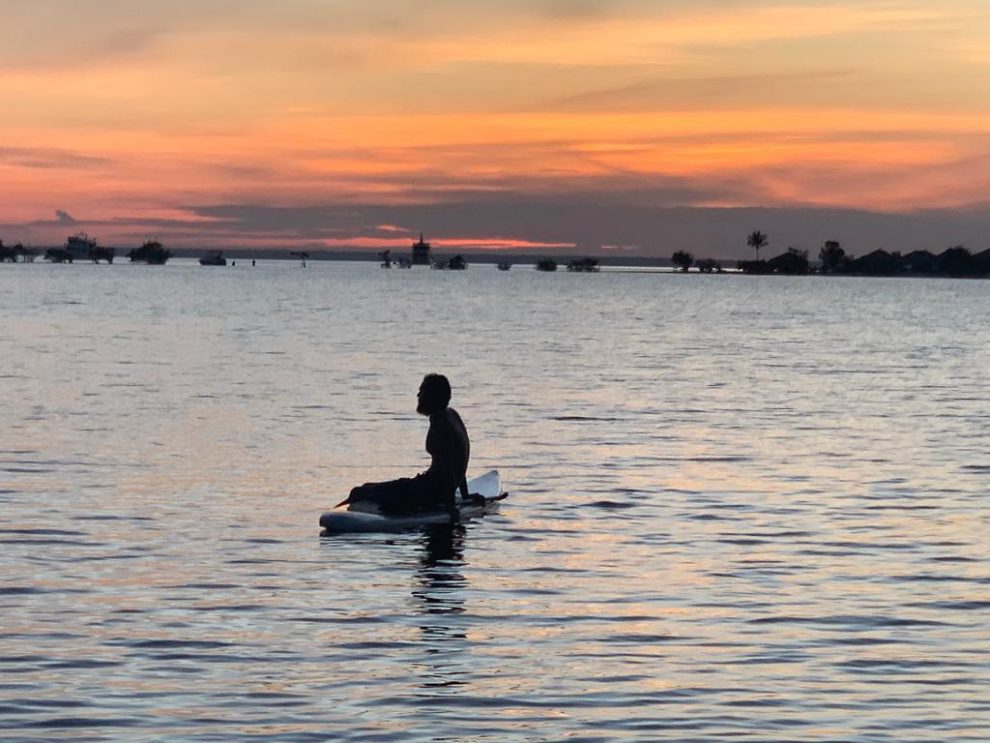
{"type": "Point", "coordinates": [449, 448]}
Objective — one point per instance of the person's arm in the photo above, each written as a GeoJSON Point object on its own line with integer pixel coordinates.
{"type": "Point", "coordinates": [452, 510]}
{"type": "Point", "coordinates": [456, 477]}
{"type": "Point", "coordinates": [445, 461]}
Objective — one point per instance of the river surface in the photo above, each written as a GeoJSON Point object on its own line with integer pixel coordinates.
{"type": "Point", "coordinates": [741, 508]}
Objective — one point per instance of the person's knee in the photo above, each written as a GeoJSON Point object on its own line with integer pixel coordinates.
{"type": "Point", "coordinates": [360, 491]}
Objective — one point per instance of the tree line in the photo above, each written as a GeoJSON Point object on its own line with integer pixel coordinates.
{"type": "Point", "coordinates": [152, 252]}
{"type": "Point", "coordinates": [16, 253]}
{"type": "Point", "coordinates": [956, 261]}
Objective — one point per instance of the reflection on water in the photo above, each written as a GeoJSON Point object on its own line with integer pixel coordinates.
{"type": "Point", "coordinates": [440, 593]}
{"type": "Point", "coordinates": [741, 507]}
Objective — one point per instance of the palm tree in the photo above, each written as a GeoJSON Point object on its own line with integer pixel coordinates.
{"type": "Point", "coordinates": [757, 240]}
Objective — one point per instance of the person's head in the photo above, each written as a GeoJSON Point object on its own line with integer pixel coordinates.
{"type": "Point", "coordinates": [434, 394]}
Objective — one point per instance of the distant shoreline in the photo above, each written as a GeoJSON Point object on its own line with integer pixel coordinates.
{"type": "Point", "coordinates": [605, 260]}
{"type": "Point", "coordinates": [476, 257]}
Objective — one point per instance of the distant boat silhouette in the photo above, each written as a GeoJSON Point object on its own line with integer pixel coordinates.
{"type": "Point", "coordinates": [421, 252]}
{"type": "Point", "coordinates": [80, 246]}
{"type": "Point", "coordinates": [504, 266]}
{"type": "Point", "coordinates": [213, 258]}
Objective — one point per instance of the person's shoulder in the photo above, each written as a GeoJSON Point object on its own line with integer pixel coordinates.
{"type": "Point", "coordinates": [449, 418]}
{"type": "Point", "coordinates": [441, 419]}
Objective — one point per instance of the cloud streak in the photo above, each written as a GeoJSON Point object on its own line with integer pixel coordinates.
{"type": "Point", "coordinates": [48, 158]}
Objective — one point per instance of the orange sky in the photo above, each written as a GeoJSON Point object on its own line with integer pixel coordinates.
{"type": "Point", "coordinates": [137, 121]}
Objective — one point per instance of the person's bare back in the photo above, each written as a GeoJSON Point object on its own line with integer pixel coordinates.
{"type": "Point", "coordinates": [450, 448]}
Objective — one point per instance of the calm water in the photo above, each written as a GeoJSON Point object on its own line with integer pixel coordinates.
{"type": "Point", "coordinates": [741, 507]}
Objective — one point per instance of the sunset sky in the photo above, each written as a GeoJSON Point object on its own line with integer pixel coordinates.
{"type": "Point", "coordinates": [616, 123]}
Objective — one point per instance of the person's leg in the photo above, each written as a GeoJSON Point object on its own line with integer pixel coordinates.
{"type": "Point", "coordinates": [393, 497]}
{"type": "Point", "coordinates": [408, 495]}
{"type": "Point", "coordinates": [403, 496]}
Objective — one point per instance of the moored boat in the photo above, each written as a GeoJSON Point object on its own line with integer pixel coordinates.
{"type": "Point", "coordinates": [213, 258]}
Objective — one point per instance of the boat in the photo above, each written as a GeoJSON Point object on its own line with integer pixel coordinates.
{"type": "Point", "coordinates": [421, 252]}
{"type": "Point", "coordinates": [80, 246]}
{"type": "Point", "coordinates": [503, 265]}
{"type": "Point", "coordinates": [363, 516]}
{"type": "Point", "coordinates": [213, 258]}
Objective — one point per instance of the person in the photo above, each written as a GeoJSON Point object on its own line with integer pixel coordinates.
{"type": "Point", "coordinates": [449, 448]}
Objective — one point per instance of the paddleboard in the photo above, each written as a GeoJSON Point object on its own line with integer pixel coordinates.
{"type": "Point", "coordinates": [365, 519]}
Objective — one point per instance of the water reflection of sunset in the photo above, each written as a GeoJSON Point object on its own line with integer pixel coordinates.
{"type": "Point", "coordinates": [726, 496]}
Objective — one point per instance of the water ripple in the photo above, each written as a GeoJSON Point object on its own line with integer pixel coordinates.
{"type": "Point", "coordinates": [741, 507]}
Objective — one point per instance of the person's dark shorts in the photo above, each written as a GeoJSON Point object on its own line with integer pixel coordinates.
{"type": "Point", "coordinates": [404, 496]}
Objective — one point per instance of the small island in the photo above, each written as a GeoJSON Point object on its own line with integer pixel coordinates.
{"type": "Point", "coordinates": [152, 252]}
{"type": "Point", "coordinates": [457, 263]}
{"type": "Point", "coordinates": [583, 265]}
{"type": "Point", "coordinates": [16, 254]}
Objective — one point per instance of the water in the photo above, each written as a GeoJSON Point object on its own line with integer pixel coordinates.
{"type": "Point", "coordinates": [741, 507]}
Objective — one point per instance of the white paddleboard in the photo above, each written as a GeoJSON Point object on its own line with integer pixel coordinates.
{"type": "Point", "coordinates": [345, 521]}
